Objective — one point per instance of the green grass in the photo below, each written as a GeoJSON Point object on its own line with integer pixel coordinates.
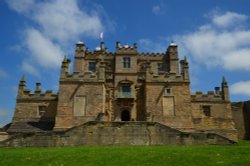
{"type": "Point", "coordinates": [129, 155]}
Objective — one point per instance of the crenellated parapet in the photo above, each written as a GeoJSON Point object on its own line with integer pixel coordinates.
{"type": "Point", "coordinates": [212, 96]}
{"type": "Point", "coordinates": [206, 97]}
{"type": "Point", "coordinates": [126, 49]}
{"type": "Point", "coordinates": [149, 54]}
{"type": "Point", "coordinates": [164, 77]}
{"type": "Point", "coordinates": [87, 76]}
{"type": "Point", "coordinates": [37, 94]}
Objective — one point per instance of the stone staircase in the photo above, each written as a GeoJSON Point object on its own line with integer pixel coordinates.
{"type": "Point", "coordinates": [30, 127]}
{"type": "Point", "coordinates": [114, 133]}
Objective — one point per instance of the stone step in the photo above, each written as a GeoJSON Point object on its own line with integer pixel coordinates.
{"type": "Point", "coordinates": [30, 127]}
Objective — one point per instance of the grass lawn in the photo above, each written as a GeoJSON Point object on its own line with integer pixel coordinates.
{"type": "Point", "coordinates": [201, 155]}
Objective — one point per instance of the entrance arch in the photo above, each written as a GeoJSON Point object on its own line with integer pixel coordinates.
{"type": "Point", "coordinates": [125, 115]}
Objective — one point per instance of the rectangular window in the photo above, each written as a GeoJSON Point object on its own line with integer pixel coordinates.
{"type": "Point", "coordinates": [206, 110]}
{"type": "Point", "coordinates": [126, 89]}
{"type": "Point", "coordinates": [80, 106]}
{"type": "Point", "coordinates": [168, 106]}
{"type": "Point", "coordinates": [41, 110]}
{"type": "Point", "coordinates": [167, 91]}
{"type": "Point", "coordinates": [126, 62]}
{"type": "Point", "coordinates": [92, 66]}
{"type": "Point", "coordinates": [160, 67]}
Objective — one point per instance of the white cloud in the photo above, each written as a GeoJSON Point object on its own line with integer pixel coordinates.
{"type": "Point", "coordinates": [42, 49]}
{"type": "Point", "coordinates": [56, 25]}
{"type": "Point", "coordinates": [238, 60]}
{"type": "Point", "coordinates": [228, 19]}
{"type": "Point", "coordinates": [30, 69]}
{"type": "Point", "coordinates": [228, 48]}
{"type": "Point", "coordinates": [156, 10]}
{"type": "Point", "coordinates": [241, 88]}
{"type": "Point", "coordinates": [63, 20]}
{"type": "Point", "coordinates": [21, 6]}
{"type": "Point", "coordinates": [3, 74]}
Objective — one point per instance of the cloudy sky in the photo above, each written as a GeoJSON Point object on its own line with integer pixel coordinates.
{"type": "Point", "coordinates": [36, 34]}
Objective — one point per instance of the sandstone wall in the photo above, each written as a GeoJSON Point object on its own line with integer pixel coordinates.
{"type": "Point", "coordinates": [219, 121]}
{"type": "Point", "coordinates": [78, 103]}
{"type": "Point", "coordinates": [181, 117]}
{"type": "Point", "coordinates": [116, 133]}
{"type": "Point", "coordinates": [28, 110]}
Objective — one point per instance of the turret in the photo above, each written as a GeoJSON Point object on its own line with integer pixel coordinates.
{"type": "Point", "coordinates": [21, 87]}
{"type": "Point", "coordinates": [65, 67]}
{"type": "Point", "coordinates": [225, 90]}
{"type": "Point", "coordinates": [185, 69]}
{"type": "Point", "coordinates": [79, 57]}
{"type": "Point", "coordinates": [172, 57]}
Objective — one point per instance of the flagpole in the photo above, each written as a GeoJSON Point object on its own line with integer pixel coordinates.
{"type": "Point", "coordinates": [101, 36]}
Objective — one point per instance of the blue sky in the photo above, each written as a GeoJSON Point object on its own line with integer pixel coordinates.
{"type": "Point", "coordinates": [35, 35]}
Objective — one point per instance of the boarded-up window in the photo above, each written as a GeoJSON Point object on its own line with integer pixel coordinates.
{"type": "Point", "coordinates": [79, 105]}
{"type": "Point", "coordinates": [206, 110]}
{"type": "Point", "coordinates": [41, 110]}
{"type": "Point", "coordinates": [168, 106]}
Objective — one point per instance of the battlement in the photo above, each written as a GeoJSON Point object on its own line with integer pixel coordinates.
{"type": "Point", "coordinates": [148, 54]}
{"type": "Point", "coordinates": [87, 76]}
{"type": "Point", "coordinates": [215, 95]}
{"type": "Point", "coordinates": [209, 96]}
{"type": "Point", "coordinates": [126, 49]}
{"type": "Point", "coordinates": [37, 94]}
{"type": "Point", "coordinates": [164, 77]}
{"type": "Point", "coordinates": [47, 95]}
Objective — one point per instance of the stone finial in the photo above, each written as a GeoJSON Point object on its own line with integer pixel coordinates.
{"type": "Point", "coordinates": [38, 88]}
{"type": "Point", "coordinates": [22, 81]}
{"type": "Point", "coordinates": [135, 45]}
{"type": "Point", "coordinates": [172, 43]}
{"type": "Point", "coordinates": [87, 50]}
{"type": "Point", "coordinates": [80, 43]}
{"type": "Point", "coordinates": [118, 45]}
{"type": "Point", "coordinates": [65, 58]}
{"type": "Point", "coordinates": [80, 48]}
{"type": "Point", "coordinates": [225, 90]}
{"type": "Point", "coordinates": [185, 58]}
{"type": "Point", "coordinates": [102, 46]}
{"type": "Point", "coordinates": [217, 90]}
{"type": "Point", "coordinates": [224, 80]}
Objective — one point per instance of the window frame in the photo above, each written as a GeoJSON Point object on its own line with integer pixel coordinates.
{"type": "Point", "coordinates": [160, 67]}
{"type": "Point", "coordinates": [92, 66]}
{"type": "Point", "coordinates": [206, 110]}
{"type": "Point", "coordinates": [126, 62]}
{"type": "Point", "coordinates": [167, 91]}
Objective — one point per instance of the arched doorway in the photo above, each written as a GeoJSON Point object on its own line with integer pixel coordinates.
{"type": "Point", "coordinates": [125, 116]}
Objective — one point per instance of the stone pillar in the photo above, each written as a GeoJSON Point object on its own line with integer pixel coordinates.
{"type": "Point", "coordinates": [38, 88]}
{"type": "Point", "coordinates": [79, 57]}
{"type": "Point", "coordinates": [21, 87]}
{"type": "Point", "coordinates": [172, 53]}
{"type": "Point", "coordinates": [65, 67]}
{"type": "Point", "coordinates": [225, 90]}
{"type": "Point", "coordinates": [185, 69]}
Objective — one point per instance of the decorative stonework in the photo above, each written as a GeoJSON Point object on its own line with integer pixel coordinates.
{"type": "Point", "coordinates": [124, 85]}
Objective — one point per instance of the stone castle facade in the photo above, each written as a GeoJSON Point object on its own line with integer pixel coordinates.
{"type": "Point", "coordinates": [124, 86]}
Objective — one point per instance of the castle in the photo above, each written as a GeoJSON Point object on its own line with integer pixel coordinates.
{"type": "Point", "coordinates": [124, 87]}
